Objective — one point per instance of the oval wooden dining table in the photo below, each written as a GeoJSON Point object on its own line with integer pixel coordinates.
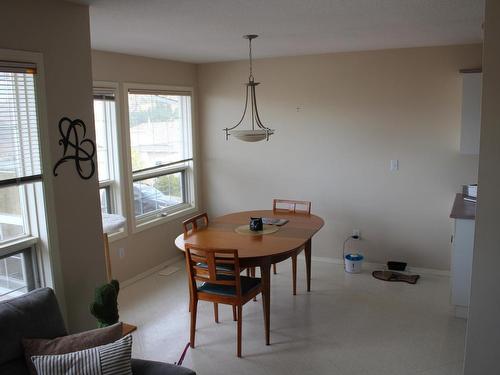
{"type": "Point", "coordinates": [259, 250]}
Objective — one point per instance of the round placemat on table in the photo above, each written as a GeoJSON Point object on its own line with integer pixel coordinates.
{"type": "Point", "coordinates": [245, 229]}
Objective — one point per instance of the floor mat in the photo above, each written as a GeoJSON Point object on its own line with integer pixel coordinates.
{"type": "Point", "coordinates": [395, 276]}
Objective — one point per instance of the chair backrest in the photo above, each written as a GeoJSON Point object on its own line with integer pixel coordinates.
{"type": "Point", "coordinates": [192, 224]}
{"type": "Point", "coordinates": [213, 266]}
{"type": "Point", "coordinates": [288, 205]}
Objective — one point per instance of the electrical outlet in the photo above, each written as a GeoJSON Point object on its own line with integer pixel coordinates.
{"type": "Point", "coordinates": [121, 252]}
{"type": "Point", "coordinates": [357, 233]}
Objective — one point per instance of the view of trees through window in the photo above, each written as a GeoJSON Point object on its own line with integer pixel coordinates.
{"type": "Point", "coordinates": [156, 193]}
{"type": "Point", "coordinates": [157, 138]}
{"type": "Point", "coordinates": [170, 185]}
{"type": "Point", "coordinates": [159, 109]}
{"type": "Point", "coordinates": [156, 130]}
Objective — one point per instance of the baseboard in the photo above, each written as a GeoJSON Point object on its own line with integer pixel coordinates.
{"type": "Point", "coordinates": [377, 266]}
{"type": "Point", "coordinates": [151, 271]}
{"type": "Point", "coordinates": [366, 265]}
{"type": "Point", "coordinates": [430, 271]}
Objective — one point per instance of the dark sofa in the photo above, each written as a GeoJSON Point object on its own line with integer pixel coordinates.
{"type": "Point", "coordinates": [37, 315]}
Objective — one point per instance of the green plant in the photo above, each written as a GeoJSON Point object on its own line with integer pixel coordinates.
{"type": "Point", "coordinates": [169, 184]}
{"type": "Point", "coordinates": [105, 305]}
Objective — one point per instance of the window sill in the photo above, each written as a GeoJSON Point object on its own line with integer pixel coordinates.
{"type": "Point", "coordinates": [139, 227]}
{"type": "Point", "coordinates": [116, 236]}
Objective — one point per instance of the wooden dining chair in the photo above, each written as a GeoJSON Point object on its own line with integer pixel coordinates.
{"type": "Point", "coordinates": [291, 206]}
{"type": "Point", "coordinates": [219, 282]}
{"type": "Point", "coordinates": [192, 225]}
{"type": "Point", "coordinates": [287, 205]}
{"type": "Point", "coordinates": [200, 221]}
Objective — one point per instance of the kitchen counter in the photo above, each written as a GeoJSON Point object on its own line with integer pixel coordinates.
{"type": "Point", "coordinates": [463, 209]}
{"type": "Point", "coordinates": [463, 214]}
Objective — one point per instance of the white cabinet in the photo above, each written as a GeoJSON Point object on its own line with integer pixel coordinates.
{"type": "Point", "coordinates": [471, 113]}
{"type": "Point", "coordinates": [461, 265]}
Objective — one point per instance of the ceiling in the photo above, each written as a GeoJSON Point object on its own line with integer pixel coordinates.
{"type": "Point", "coordinates": [211, 30]}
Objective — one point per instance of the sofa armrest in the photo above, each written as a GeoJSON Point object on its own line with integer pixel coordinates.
{"type": "Point", "coordinates": [143, 367]}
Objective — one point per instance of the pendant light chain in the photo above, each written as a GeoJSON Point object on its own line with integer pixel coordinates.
{"type": "Point", "coordinates": [250, 77]}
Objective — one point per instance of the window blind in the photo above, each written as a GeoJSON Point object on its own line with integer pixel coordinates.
{"type": "Point", "coordinates": [19, 141]}
{"type": "Point", "coordinates": [104, 94]}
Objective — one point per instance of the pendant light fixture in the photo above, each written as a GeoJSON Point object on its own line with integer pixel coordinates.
{"type": "Point", "coordinates": [259, 131]}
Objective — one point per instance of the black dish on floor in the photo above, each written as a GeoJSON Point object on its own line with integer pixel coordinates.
{"type": "Point", "coordinates": [396, 266]}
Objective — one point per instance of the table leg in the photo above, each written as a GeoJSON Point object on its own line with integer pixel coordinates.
{"type": "Point", "coordinates": [265, 273]}
{"type": "Point", "coordinates": [307, 252]}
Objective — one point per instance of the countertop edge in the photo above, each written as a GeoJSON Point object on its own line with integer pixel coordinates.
{"type": "Point", "coordinates": [463, 209]}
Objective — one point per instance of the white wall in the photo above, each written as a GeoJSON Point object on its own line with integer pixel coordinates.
{"type": "Point", "coordinates": [60, 31]}
{"type": "Point", "coordinates": [356, 112]}
{"type": "Point", "coordinates": [483, 330]}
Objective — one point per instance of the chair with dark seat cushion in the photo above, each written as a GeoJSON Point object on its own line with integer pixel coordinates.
{"type": "Point", "coordinates": [192, 225]}
{"type": "Point", "coordinates": [247, 284]}
{"type": "Point", "coordinates": [217, 284]}
{"type": "Point", "coordinates": [36, 315]}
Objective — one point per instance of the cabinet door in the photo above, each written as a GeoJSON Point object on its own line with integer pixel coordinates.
{"type": "Point", "coordinates": [471, 113]}
{"type": "Point", "coordinates": [461, 261]}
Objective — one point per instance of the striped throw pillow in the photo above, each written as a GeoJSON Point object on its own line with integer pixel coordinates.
{"type": "Point", "coordinates": [110, 359]}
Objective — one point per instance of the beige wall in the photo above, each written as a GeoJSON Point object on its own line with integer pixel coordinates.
{"type": "Point", "coordinates": [483, 330]}
{"type": "Point", "coordinates": [151, 247]}
{"type": "Point", "coordinates": [60, 31]}
{"type": "Point", "coordinates": [356, 112]}
{"type": "Point", "coordinates": [117, 67]}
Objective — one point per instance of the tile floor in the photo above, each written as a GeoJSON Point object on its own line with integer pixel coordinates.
{"type": "Point", "coordinates": [347, 325]}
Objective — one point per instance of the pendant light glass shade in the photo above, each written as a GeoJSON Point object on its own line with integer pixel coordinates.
{"type": "Point", "coordinates": [259, 131]}
{"type": "Point", "coordinates": [250, 135]}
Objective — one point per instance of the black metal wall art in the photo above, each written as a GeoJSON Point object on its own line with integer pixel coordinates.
{"type": "Point", "coordinates": [76, 147]}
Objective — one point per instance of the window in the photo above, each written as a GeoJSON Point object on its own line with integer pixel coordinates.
{"type": "Point", "coordinates": [20, 178]}
{"type": "Point", "coordinates": [160, 152]}
{"type": "Point", "coordinates": [108, 165]}
{"type": "Point", "coordinates": [105, 127]}
{"type": "Point", "coordinates": [17, 273]}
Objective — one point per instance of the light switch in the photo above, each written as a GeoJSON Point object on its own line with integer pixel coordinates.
{"type": "Point", "coordinates": [394, 165]}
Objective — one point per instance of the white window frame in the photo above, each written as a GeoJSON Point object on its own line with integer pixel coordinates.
{"type": "Point", "coordinates": [115, 154]}
{"type": "Point", "coordinates": [189, 168]}
{"type": "Point", "coordinates": [39, 197]}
